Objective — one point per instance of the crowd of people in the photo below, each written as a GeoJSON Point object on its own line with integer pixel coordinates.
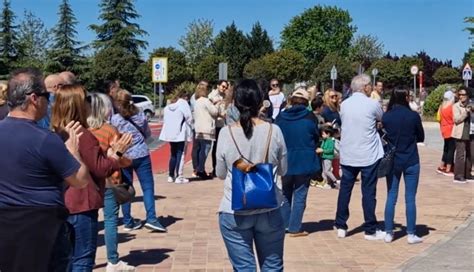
{"type": "Point", "coordinates": [75, 151]}
{"type": "Point", "coordinates": [456, 119]}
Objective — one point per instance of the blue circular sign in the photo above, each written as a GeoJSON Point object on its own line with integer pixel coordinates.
{"type": "Point", "coordinates": [157, 66]}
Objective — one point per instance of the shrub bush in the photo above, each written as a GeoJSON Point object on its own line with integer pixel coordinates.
{"type": "Point", "coordinates": [434, 99]}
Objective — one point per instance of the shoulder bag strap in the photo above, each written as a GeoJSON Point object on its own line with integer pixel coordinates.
{"type": "Point", "coordinates": [137, 127]}
{"type": "Point", "coordinates": [237, 146]}
{"type": "Point", "coordinates": [269, 139]}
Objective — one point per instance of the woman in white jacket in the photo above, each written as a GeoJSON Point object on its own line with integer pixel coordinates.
{"type": "Point", "coordinates": [177, 118]}
{"type": "Point", "coordinates": [205, 114]}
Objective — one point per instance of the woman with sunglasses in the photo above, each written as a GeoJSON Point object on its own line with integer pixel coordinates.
{"type": "Point", "coordinates": [84, 204]}
{"type": "Point", "coordinates": [462, 111]}
{"type": "Point", "coordinates": [404, 130]}
{"type": "Point", "coordinates": [332, 107]}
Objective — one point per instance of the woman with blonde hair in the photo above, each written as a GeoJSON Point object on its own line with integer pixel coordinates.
{"type": "Point", "coordinates": [84, 204]}
{"type": "Point", "coordinates": [331, 110]}
{"type": "Point", "coordinates": [128, 119]}
{"type": "Point", "coordinates": [101, 111]}
{"type": "Point", "coordinates": [3, 99]}
{"type": "Point", "coordinates": [205, 114]}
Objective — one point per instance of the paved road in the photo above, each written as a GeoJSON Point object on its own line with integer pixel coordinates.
{"type": "Point", "coordinates": [193, 241]}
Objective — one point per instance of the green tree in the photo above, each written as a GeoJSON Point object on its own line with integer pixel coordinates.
{"type": "Point", "coordinates": [207, 69]}
{"type": "Point", "coordinates": [345, 72]}
{"type": "Point", "coordinates": [445, 75]}
{"type": "Point", "coordinates": [365, 49]}
{"type": "Point", "coordinates": [8, 38]}
{"type": "Point", "coordinates": [33, 40]}
{"type": "Point", "coordinates": [114, 63]}
{"type": "Point", "coordinates": [402, 69]}
{"type": "Point", "coordinates": [470, 28]}
{"type": "Point", "coordinates": [231, 44]}
{"type": "Point", "coordinates": [259, 42]}
{"type": "Point", "coordinates": [197, 41]}
{"type": "Point", "coordinates": [65, 51]}
{"type": "Point", "coordinates": [319, 31]}
{"type": "Point", "coordinates": [387, 71]}
{"type": "Point", "coordinates": [286, 65]}
{"type": "Point", "coordinates": [117, 29]}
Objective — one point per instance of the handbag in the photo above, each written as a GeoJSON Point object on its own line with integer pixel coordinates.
{"type": "Point", "coordinates": [385, 166]}
{"type": "Point", "coordinates": [123, 193]}
{"type": "Point", "coordinates": [253, 185]}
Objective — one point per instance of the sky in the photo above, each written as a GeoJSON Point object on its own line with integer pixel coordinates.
{"type": "Point", "coordinates": [403, 26]}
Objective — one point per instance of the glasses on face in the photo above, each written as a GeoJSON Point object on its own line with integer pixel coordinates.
{"type": "Point", "coordinates": [43, 94]}
{"type": "Point", "coordinates": [333, 96]}
{"type": "Point", "coordinates": [462, 94]}
{"type": "Point", "coordinates": [224, 87]}
{"type": "Point", "coordinates": [274, 85]}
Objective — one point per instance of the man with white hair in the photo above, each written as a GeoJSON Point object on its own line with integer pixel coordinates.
{"type": "Point", "coordinates": [360, 152]}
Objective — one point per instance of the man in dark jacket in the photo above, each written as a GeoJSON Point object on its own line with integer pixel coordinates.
{"type": "Point", "coordinates": [300, 130]}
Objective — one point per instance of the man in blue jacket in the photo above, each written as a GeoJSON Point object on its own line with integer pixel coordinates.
{"type": "Point", "coordinates": [300, 130]}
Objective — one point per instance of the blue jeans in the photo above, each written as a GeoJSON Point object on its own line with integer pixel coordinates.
{"type": "Point", "coordinates": [411, 175]}
{"type": "Point", "coordinates": [295, 189]}
{"type": "Point", "coordinates": [177, 149]}
{"type": "Point", "coordinates": [111, 214]}
{"type": "Point", "coordinates": [369, 191]}
{"type": "Point", "coordinates": [142, 167]}
{"type": "Point", "coordinates": [85, 243]}
{"type": "Point", "coordinates": [204, 146]}
{"type": "Point", "coordinates": [241, 231]}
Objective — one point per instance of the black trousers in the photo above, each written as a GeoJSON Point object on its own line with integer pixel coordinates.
{"type": "Point", "coordinates": [214, 149]}
{"type": "Point", "coordinates": [448, 150]}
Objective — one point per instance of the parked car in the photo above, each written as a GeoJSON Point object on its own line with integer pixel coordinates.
{"type": "Point", "coordinates": [144, 104]}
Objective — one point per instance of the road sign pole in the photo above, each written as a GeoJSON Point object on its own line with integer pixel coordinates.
{"type": "Point", "coordinates": [333, 84]}
{"type": "Point", "coordinates": [160, 100]}
{"type": "Point", "coordinates": [466, 83]}
{"type": "Point", "coordinates": [373, 84]}
{"type": "Point", "coordinates": [154, 95]}
{"type": "Point", "coordinates": [414, 86]}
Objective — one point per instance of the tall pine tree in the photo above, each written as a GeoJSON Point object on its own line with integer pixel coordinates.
{"type": "Point", "coordinates": [117, 29]}
{"type": "Point", "coordinates": [8, 38]}
{"type": "Point", "coordinates": [65, 52]}
{"type": "Point", "coordinates": [259, 42]}
{"type": "Point", "coordinates": [231, 44]}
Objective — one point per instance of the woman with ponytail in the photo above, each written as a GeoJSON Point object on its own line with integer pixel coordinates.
{"type": "Point", "coordinates": [262, 228]}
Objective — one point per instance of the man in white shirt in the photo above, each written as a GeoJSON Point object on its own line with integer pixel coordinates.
{"type": "Point", "coordinates": [360, 152]}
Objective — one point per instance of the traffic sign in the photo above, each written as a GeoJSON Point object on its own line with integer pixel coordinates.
{"type": "Point", "coordinates": [159, 70]}
{"type": "Point", "coordinates": [467, 72]}
{"type": "Point", "coordinates": [333, 73]}
{"type": "Point", "coordinates": [414, 70]}
{"type": "Point", "coordinates": [222, 71]}
{"type": "Point", "coordinates": [375, 72]}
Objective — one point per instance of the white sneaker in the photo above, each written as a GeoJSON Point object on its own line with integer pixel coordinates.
{"type": "Point", "coordinates": [341, 233]}
{"type": "Point", "coordinates": [120, 266]}
{"type": "Point", "coordinates": [413, 239]}
{"type": "Point", "coordinates": [388, 238]}
{"type": "Point", "coordinates": [170, 180]}
{"type": "Point", "coordinates": [378, 235]}
{"type": "Point", "coordinates": [182, 180]}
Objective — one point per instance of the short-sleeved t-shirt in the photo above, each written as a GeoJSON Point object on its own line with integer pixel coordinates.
{"type": "Point", "coordinates": [34, 163]}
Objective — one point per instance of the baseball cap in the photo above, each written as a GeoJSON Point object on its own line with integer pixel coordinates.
{"type": "Point", "coordinates": [301, 93]}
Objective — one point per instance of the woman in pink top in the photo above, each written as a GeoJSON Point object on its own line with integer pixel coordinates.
{"type": "Point", "coordinates": [446, 127]}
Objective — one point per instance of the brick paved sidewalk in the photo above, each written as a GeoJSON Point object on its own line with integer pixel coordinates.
{"type": "Point", "coordinates": [193, 241]}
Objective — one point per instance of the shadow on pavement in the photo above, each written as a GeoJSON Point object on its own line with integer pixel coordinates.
{"type": "Point", "coordinates": [140, 198]}
{"type": "Point", "coordinates": [323, 225]}
{"type": "Point", "coordinates": [421, 230]}
{"type": "Point", "coordinates": [144, 257]}
{"type": "Point", "coordinates": [122, 238]}
{"type": "Point", "coordinates": [169, 220]}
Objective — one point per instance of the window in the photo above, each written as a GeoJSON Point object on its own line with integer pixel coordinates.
{"type": "Point", "coordinates": [137, 99]}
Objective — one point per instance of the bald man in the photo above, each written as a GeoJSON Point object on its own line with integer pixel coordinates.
{"type": "Point", "coordinates": [53, 82]}
{"type": "Point", "coordinates": [68, 77]}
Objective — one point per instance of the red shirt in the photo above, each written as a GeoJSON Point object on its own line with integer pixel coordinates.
{"type": "Point", "coordinates": [447, 121]}
{"type": "Point", "coordinates": [100, 167]}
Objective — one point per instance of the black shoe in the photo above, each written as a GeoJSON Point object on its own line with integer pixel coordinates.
{"type": "Point", "coordinates": [203, 175]}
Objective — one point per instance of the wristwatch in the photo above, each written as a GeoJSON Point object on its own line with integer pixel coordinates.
{"type": "Point", "coordinates": [119, 154]}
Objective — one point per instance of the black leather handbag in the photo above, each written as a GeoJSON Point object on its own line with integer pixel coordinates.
{"type": "Point", "coordinates": [385, 166]}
